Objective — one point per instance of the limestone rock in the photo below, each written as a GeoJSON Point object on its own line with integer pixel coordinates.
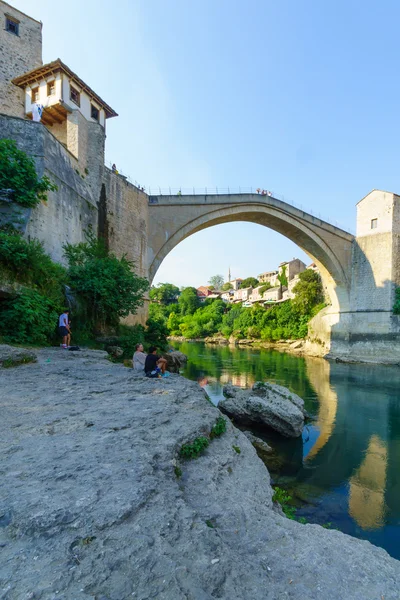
{"type": "Point", "coordinates": [175, 360]}
{"type": "Point", "coordinates": [115, 351]}
{"type": "Point", "coordinates": [11, 356]}
{"type": "Point", "coordinates": [266, 404]}
{"type": "Point", "coordinates": [258, 443]}
{"type": "Point", "coordinates": [91, 505]}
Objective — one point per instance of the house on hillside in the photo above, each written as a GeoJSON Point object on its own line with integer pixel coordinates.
{"type": "Point", "coordinates": [204, 292]}
{"type": "Point", "coordinates": [293, 267]}
{"type": "Point", "coordinates": [236, 283]}
{"type": "Point", "coordinates": [270, 277]}
{"type": "Point", "coordinates": [273, 294]}
{"type": "Point", "coordinates": [255, 295]}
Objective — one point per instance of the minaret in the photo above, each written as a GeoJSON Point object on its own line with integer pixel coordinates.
{"type": "Point", "coordinates": [229, 274]}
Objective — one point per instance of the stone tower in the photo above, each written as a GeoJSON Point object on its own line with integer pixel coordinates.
{"type": "Point", "coordinates": [20, 51]}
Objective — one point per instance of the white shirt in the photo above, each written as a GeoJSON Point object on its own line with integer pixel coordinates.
{"type": "Point", "coordinates": [63, 320]}
{"type": "Point", "coordinates": [139, 358]}
{"type": "Point", "coordinates": [37, 110]}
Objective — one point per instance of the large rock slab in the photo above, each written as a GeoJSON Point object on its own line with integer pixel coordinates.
{"type": "Point", "coordinates": [266, 404]}
{"type": "Point", "coordinates": [91, 505]}
{"type": "Point", "coordinates": [10, 356]}
{"type": "Point", "coordinates": [175, 360]}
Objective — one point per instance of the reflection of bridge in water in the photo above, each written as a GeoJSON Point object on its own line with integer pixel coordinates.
{"type": "Point", "coordinates": [356, 444]}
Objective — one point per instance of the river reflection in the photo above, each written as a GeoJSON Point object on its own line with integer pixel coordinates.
{"type": "Point", "coordinates": [344, 469]}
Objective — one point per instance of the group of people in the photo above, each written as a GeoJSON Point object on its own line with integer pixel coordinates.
{"type": "Point", "coordinates": [263, 192]}
{"type": "Point", "coordinates": [151, 364]}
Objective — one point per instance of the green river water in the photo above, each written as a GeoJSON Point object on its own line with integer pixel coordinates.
{"type": "Point", "coordinates": [345, 470]}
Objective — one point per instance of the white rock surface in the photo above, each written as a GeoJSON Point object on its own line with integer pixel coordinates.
{"type": "Point", "coordinates": [266, 404]}
{"type": "Point", "coordinates": [91, 508]}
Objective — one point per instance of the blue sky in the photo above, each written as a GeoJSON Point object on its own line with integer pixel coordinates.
{"type": "Point", "coordinates": [298, 97]}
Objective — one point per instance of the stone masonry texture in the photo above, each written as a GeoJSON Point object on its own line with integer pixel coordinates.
{"type": "Point", "coordinates": [91, 506]}
{"type": "Point", "coordinates": [18, 54]}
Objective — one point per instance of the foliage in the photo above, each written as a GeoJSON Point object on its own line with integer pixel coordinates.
{"type": "Point", "coordinates": [204, 322]}
{"type": "Point", "coordinates": [308, 291]}
{"type": "Point", "coordinates": [284, 499]}
{"type": "Point", "coordinates": [227, 286]}
{"type": "Point", "coordinates": [188, 301]}
{"type": "Point", "coordinates": [107, 285]}
{"type": "Point", "coordinates": [30, 318]}
{"type": "Point", "coordinates": [265, 287]}
{"type": "Point", "coordinates": [165, 293]}
{"type": "Point", "coordinates": [9, 363]}
{"type": "Point", "coordinates": [178, 472]}
{"type": "Point", "coordinates": [218, 428]}
{"type": "Point", "coordinates": [249, 282]}
{"type": "Point", "coordinates": [26, 262]}
{"type": "Point", "coordinates": [237, 449]}
{"type": "Point", "coordinates": [396, 306]}
{"type": "Point", "coordinates": [216, 281]}
{"type": "Point", "coordinates": [156, 334]}
{"type": "Point", "coordinates": [18, 173]}
{"type": "Point", "coordinates": [282, 278]}
{"type": "Point", "coordinates": [194, 449]}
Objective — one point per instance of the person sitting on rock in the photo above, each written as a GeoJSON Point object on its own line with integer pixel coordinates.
{"type": "Point", "coordinates": [139, 358]}
{"type": "Point", "coordinates": [154, 366]}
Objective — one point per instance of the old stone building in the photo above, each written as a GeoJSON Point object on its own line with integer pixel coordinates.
{"type": "Point", "coordinates": [20, 51]}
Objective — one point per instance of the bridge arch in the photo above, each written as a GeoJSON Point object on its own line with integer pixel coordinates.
{"type": "Point", "coordinates": [329, 247]}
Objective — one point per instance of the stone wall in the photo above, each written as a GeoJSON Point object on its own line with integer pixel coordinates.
{"type": "Point", "coordinates": [126, 210]}
{"type": "Point", "coordinates": [18, 54]}
{"type": "Point", "coordinates": [73, 207]}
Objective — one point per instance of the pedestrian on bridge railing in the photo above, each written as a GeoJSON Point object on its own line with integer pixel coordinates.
{"type": "Point", "coordinates": [179, 193]}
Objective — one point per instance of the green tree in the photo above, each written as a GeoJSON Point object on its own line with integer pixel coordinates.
{"type": "Point", "coordinates": [217, 281]}
{"type": "Point", "coordinates": [308, 291]}
{"type": "Point", "coordinates": [265, 287]}
{"type": "Point", "coordinates": [188, 301]}
{"type": "Point", "coordinates": [282, 278]}
{"type": "Point", "coordinates": [249, 282]}
{"type": "Point", "coordinates": [18, 173]}
{"type": "Point", "coordinates": [30, 318]}
{"type": "Point", "coordinates": [165, 293]}
{"type": "Point", "coordinates": [107, 284]}
{"type": "Point", "coordinates": [227, 286]}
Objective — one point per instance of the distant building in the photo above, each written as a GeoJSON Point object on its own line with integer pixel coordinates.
{"type": "Point", "coordinates": [293, 267]}
{"type": "Point", "coordinates": [255, 295]}
{"type": "Point", "coordinates": [236, 283]}
{"type": "Point", "coordinates": [242, 295]}
{"type": "Point", "coordinates": [273, 294]}
{"type": "Point", "coordinates": [203, 292]}
{"type": "Point", "coordinates": [269, 277]}
{"type": "Point", "coordinates": [227, 296]}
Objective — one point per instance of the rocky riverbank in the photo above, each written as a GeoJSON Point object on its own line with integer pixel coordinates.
{"type": "Point", "coordinates": [96, 503]}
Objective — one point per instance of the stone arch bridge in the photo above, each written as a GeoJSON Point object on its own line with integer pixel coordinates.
{"type": "Point", "coordinates": [174, 218]}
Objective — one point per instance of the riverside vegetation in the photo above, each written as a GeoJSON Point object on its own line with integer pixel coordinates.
{"type": "Point", "coordinates": [104, 287]}
{"type": "Point", "coordinates": [183, 315]}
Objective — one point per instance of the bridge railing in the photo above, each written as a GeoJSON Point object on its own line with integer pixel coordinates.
{"type": "Point", "coordinates": [214, 191]}
{"type": "Point", "coordinates": [208, 191]}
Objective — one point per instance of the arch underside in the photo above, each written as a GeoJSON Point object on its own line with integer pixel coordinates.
{"type": "Point", "coordinates": [310, 238]}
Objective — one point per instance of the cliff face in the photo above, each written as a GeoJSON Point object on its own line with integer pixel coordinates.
{"type": "Point", "coordinates": [91, 505]}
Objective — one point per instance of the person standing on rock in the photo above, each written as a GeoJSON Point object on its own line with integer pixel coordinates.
{"type": "Point", "coordinates": [154, 365]}
{"type": "Point", "coordinates": [63, 329]}
{"type": "Point", "coordinates": [139, 358]}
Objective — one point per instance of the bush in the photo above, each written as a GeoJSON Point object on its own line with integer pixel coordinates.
{"type": "Point", "coordinates": [194, 449]}
{"type": "Point", "coordinates": [28, 319]}
{"type": "Point", "coordinates": [396, 307]}
{"type": "Point", "coordinates": [26, 262]}
{"type": "Point", "coordinates": [107, 285]}
{"type": "Point", "coordinates": [18, 173]}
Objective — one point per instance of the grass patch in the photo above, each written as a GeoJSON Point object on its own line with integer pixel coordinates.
{"type": "Point", "coordinates": [236, 449]}
{"type": "Point", "coordinates": [178, 472]}
{"type": "Point", "coordinates": [9, 363]}
{"type": "Point", "coordinates": [210, 524]}
{"type": "Point", "coordinates": [284, 499]}
{"type": "Point", "coordinates": [194, 449]}
{"type": "Point", "coordinates": [218, 428]}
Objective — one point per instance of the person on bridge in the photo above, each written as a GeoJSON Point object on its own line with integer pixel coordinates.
{"type": "Point", "coordinates": [179, 193]}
